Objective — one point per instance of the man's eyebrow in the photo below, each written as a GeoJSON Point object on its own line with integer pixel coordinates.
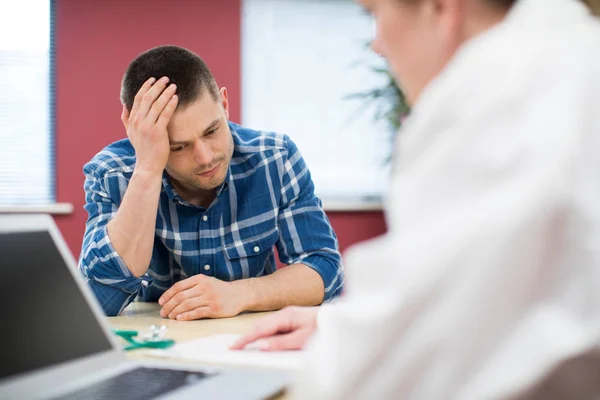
{"type": "Point", "coordinates": [208, 129]}
{"type": "Point", "coordinates": [178, 142]}
{"type": "Point", "coordinates": [212, 125]}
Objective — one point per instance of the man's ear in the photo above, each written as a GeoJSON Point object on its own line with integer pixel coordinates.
{"type": "Point", "coordinates": [224, 100]}
{"type": "Point", "coordinates": [125, 116]}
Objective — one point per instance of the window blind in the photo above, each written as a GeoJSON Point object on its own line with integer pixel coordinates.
{"type": "Point", "coordinates": [26, 97]}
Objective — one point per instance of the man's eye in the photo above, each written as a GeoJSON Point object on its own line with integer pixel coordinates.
{"type": "Point", "coordinates": [212, 131]}
{"type": "Point", "coordinates": [177, 149]}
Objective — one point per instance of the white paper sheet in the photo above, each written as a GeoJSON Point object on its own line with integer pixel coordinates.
{"type": "Point", "coordinates": [215, 350]}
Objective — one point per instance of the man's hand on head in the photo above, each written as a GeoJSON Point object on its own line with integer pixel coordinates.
{"type": "Point", "coordinates": [203, 297]}
{"type": "Point", "coordinates": [146, 124]}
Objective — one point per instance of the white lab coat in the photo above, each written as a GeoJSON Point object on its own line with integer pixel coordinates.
{"type": "Point", "coordinates": [489, 276]}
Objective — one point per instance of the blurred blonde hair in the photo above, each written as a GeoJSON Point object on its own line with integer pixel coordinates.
{"type": "Point", "coordinates": [594, 5]}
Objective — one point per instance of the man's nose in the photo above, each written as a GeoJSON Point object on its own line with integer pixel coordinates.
{"type": "Point", "coordinates": [203, 154]}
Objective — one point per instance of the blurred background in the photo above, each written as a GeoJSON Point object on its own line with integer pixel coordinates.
{"type": "Point", "coordinates": [300, 67]}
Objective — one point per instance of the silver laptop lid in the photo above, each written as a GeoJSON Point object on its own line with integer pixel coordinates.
{"type": "Point", "coordinates": [54, 330]}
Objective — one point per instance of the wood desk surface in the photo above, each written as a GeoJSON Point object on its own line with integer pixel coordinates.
{"type": "Point", "coordinates": [139, 316]}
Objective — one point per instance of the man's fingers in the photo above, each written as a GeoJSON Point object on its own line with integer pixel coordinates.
{"type": "Point", "coordinates": [176, 288]}
{"type": "Point", "coordinates": [267, 327]}
{"type": "Point", "coordinates": [150, 97]}
{"type": "Point", "coordinates": [140, 95]}
{"type": "Point", "coordinates": [196, 313]}
{"type": "Point", "coordinates": [167, 112]}
{"type": "Point", "coordinates": [159, 104]}
{"type": "Point", "coordinates": [176, 300]}
{"type": "Point", "coordinates": [193, 301]}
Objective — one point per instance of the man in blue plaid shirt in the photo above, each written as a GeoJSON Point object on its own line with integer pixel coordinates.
{"type": "Point", "coordinates": [187, 210]}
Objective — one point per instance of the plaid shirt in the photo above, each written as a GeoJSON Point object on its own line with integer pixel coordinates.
{"type": "Point", "coordinates": [266, 201]}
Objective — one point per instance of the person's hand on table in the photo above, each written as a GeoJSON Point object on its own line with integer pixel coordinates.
{"type": "Point", "coordinates": [202, 296]}
{"type": "Point", "coordinates": [288, 329]}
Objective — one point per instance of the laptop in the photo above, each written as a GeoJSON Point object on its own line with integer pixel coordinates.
{"type": "Point", "coordinates": [56, 343]}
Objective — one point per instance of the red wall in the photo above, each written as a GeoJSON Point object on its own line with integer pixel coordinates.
{"type": "Point", "coordinates": [96, 40]}
{"type": "Point", "coordinates": [353, 227]}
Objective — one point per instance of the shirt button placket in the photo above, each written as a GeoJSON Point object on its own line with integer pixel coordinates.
{"type": "Point", "coordinates": [204, 227]}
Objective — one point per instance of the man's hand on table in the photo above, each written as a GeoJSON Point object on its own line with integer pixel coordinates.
{"type": "Point", "coordinates": [203, 297]}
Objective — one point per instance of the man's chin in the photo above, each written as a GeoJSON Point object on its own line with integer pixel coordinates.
{"type": "Point", "coordinates": [206, 184]}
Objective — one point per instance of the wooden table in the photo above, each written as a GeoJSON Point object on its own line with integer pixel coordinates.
{"type": "Point", "coordinates": [139, 316]}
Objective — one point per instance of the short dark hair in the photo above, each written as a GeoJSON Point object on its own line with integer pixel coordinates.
{"type": "Point", "coordinates": [183, 67]}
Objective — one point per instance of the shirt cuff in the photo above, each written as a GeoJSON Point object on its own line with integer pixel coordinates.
{"type": "Point", "coordinates": [105, 266]}
{"type": "Point", "coordinates": [331, 273]}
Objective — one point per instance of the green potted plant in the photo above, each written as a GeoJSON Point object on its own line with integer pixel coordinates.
{"type": "Point", "coordinates": [388, 101]}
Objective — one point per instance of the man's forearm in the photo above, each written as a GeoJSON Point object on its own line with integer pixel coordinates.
{"type": "Point", "coordinates": [131, 231]}
{"type": "Point", "coordinates": [295, 284]}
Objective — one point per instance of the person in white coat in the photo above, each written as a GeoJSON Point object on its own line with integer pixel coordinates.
{"type": "Point", "coordinates": [487, 283]}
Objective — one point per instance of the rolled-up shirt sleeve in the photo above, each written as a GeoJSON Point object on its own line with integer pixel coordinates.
{"type": "Point", "coordinates": [100, 264]}
{"type": "Point", "coordinates": [306, 235]}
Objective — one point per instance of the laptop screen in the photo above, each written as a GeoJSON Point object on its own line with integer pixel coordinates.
{"type": "Point", "coordinates": [45, 317]}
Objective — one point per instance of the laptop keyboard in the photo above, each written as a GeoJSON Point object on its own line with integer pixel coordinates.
{"type": "Point", "coordinates": [140, 383]}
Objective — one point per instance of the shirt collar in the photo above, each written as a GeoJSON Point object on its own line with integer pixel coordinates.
{"type": "Point", "coordinates": [228, 178]}
{"type": "Point", "coordinates": [168, 188]}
